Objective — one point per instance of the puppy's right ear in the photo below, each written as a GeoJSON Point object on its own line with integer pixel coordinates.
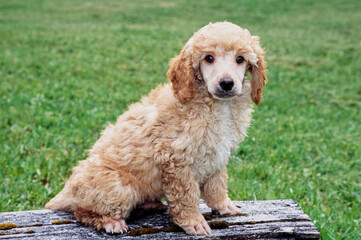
{"type": "Point", "coordinates": [181, 75]}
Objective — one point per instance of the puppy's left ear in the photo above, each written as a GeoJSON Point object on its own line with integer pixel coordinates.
{"type": "Point", "coordinates": [181, 75]}
{"type": "Point", "coordinates": [258, 71]}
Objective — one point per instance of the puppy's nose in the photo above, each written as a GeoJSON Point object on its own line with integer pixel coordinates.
{"type": "Point", "coordinates": [226, 84]}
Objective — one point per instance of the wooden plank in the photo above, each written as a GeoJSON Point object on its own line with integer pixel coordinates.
{"type": "Point", "coordinates": [278, 219]}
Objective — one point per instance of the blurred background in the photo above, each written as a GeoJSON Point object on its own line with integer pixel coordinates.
{"type": "Point", "coordinates": [69, 67]}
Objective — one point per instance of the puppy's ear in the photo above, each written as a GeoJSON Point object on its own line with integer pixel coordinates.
{"type": "Point", "coordinates": [181, 75]}
{"type": "Point", "coordinates": [258, 71]}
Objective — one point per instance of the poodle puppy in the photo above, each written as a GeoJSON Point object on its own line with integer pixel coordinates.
{"type": "Point", "coordinates": [175, 143]}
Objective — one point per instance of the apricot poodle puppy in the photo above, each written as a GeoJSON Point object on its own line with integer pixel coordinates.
{"type": "Point", "coordinates": [175, 143]}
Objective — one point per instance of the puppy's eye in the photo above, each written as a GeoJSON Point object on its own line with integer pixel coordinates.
{"type": "Point", "coordinates": [239, 59]}
{"type": "Point", "coordinates": [209, 59]}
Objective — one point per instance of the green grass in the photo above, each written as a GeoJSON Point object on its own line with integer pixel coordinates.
{"type": "Point", "coordinates": [67, 68]}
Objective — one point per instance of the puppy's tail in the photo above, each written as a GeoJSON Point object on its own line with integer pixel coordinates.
{"type": "Point", "coordinates": [60, 202]}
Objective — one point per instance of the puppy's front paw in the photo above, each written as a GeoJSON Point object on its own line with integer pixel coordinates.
{"type": "Point", "coordinates": [116, 226]}
{"type": "Point", "coordinates": [229, 208]}
{"type": "Point", "coordinates": [201, 228]}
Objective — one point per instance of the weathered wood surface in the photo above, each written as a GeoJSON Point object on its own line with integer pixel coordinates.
{"type": "Point", "coordinates": [279, 219]}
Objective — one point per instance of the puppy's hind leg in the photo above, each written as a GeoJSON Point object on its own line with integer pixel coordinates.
{"type": "Point", "coordinates": [109, 224]}
{"type": "Point", "coordinates": [106, 199]}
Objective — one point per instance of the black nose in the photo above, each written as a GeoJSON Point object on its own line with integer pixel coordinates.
{"type": "Point", "coordinates": [226, 84]}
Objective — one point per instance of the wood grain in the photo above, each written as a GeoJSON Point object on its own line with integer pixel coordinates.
{"type": "Point", "coordinates": [277, 219]}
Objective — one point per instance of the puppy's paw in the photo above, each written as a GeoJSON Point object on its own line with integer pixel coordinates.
{"type": "Point", "coordinates": [201, 228]}
{"type": "Point", "coordinates": [116, 226]}
{"type": "Point", "coordinates": [229, 208]}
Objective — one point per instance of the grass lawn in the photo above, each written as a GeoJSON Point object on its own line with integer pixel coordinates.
{"type": "Point", "coordinates": [69, 67]}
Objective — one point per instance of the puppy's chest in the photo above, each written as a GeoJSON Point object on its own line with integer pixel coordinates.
{"type": "Point", "coordinates": [220, 137]}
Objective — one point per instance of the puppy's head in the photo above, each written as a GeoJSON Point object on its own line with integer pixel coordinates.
{"type": "Point", "coordinates": [220, 55]}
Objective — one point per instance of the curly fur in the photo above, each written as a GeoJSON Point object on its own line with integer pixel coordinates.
{"type": "Point", "coordinates": [174, 143]}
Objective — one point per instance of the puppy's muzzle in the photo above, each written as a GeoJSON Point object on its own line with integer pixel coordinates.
{"type": "Point", "coordinates": [226, 89]}
{"type": "Point", "coordinates": [226, 84]}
